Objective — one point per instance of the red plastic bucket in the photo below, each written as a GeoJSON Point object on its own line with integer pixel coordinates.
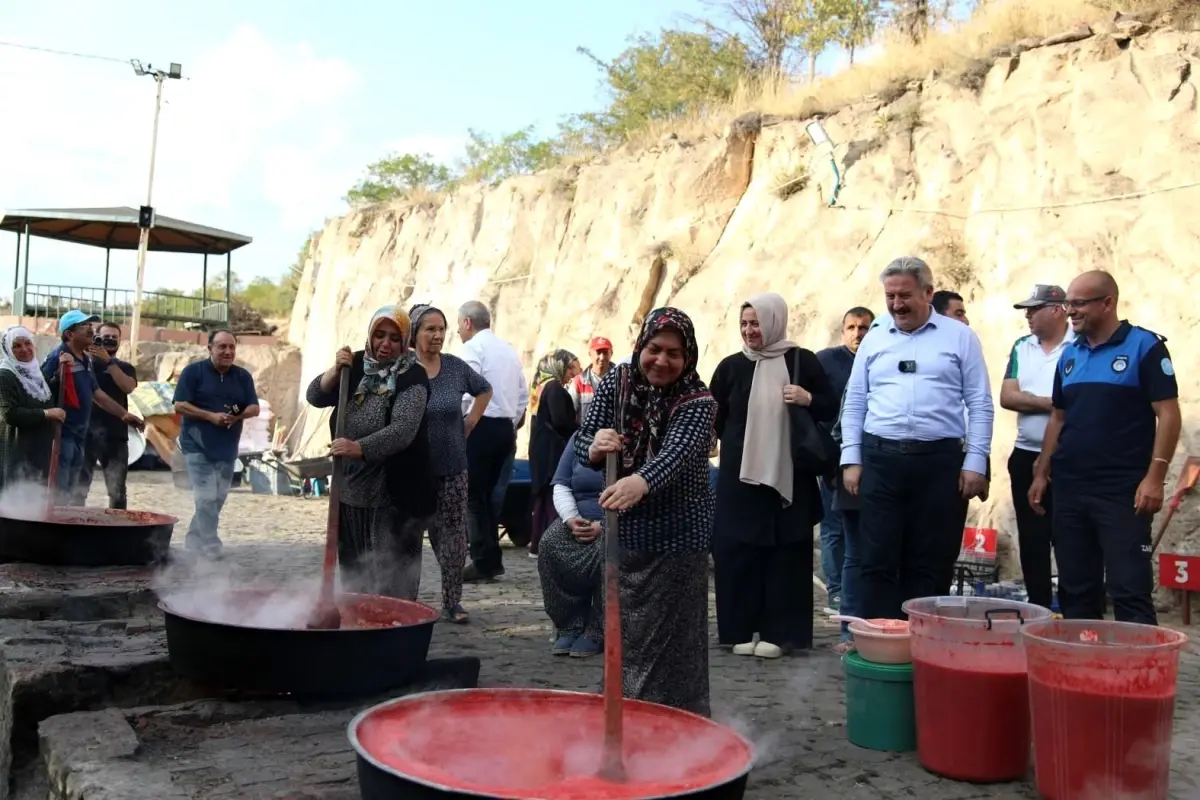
{"type": "Point", "coordinates": [1102, 699]}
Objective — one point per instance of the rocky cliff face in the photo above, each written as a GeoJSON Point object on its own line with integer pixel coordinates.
{"type": "Point", "coordinates": [1078, 152]}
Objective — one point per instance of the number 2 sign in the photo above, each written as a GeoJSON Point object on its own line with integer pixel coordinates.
{"type": "Point", "coordinates": [979, 542]}
{"type": "Point", "coordinates": [1179, 572]}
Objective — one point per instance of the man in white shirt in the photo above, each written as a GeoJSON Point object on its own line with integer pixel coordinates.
{"type": "Point", "coordinates": [1027, 389]}
{"type": "Point", "coordinates": [493, 438]}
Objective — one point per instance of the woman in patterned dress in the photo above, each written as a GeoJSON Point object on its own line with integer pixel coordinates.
{"type": "Point", "coordinates": [658, 415]}
{"type": "Point", "coordinates": [570, 564]}
{"type": "Point", "coordinates": [26, 410]}
{"type": "Point", "coordinates": [450, 379]}
{"type": "Point", "coordinates": [388, 490]}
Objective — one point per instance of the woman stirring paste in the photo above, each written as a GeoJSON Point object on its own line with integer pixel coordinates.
{"type": "Point", "coordinates": [553, 423]}
{"type": "Point", "coordinates": [571, 563]}
{"type": "Point", "coordinates": [26, 407]}
{"type": "Point", "coordinates": [388, 490]}
{"type": "Point", "coordinates": [766, 505]}
{"type": "Point", "coordinates": [665, 417]}
{"type": "Point", "coordinates": [450, 378]}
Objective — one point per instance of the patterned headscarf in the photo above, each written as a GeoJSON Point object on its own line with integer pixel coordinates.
{"type": "Point", "coordinates": [553, 366]}
{"type": "Point", "coordinates": [27, 372]}
{"type": "Point", "coordinates": [644, 409]}
{"type": "Point", "coordinates": [379, 377]}
{"type": "Point", "coordinates": [416, 314]}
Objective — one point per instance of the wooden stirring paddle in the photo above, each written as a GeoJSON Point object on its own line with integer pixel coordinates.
{"type": "Point", "coordinates": [326, 615]}
{"type": "Point", "coordinates": [55, 446]}
{"type": "Point", "coordinates": [612, 766]}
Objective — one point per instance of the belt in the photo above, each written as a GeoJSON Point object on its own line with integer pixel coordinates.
{"type": "Point", "coordinates": [911, 447]}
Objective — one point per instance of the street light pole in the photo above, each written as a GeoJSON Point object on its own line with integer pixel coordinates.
{"type": "Point", "coordinates": [146, 215]}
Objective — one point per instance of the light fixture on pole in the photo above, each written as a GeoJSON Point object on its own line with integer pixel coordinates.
{"type": "Point", "coordinates": [146, 212]}
{"type": "Point", "coordinates": [820, 139]}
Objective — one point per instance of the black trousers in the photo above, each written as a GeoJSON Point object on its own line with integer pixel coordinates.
{"type": "Point", "coordinates": [762, 589]}
{"type": "Point", "coordinates": [488, 447]}
{"type": "Point", "coordinates": [113, 457]}
{"type": "Point", "coordinates": [911, 522]}
{"type": "Point", "coordinates": [1098, 535]}
{"type": "Point", "coordinates": [1034, 532]}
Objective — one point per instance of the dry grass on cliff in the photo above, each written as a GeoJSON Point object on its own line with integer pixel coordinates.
{"type": "Point", "coordinates": [953, 51]}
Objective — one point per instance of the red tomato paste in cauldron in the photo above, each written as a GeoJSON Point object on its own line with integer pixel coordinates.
{"type": "Point", "coordinates": [456, 740]}
{"type": "Point", "coordinates": [290, 609]}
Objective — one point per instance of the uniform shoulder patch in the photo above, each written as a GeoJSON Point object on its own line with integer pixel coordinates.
{"type": "Point", "coordinates": [1168, 368]}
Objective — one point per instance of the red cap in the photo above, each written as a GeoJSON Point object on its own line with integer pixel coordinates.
{"type": "Point", "coordinates": [600, 343]}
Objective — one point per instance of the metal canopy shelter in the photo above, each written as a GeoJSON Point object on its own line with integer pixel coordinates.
{"type": "Point", "coordinates": [116, 228]}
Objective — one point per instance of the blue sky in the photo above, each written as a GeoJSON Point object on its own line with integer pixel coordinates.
{"type": "Point", "coordinates": [284, 105]}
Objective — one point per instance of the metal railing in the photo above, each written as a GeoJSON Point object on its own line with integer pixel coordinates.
{"type": "Point", "coordinates": [165, 309]}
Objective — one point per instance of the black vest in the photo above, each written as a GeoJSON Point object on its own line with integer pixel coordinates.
{"type": "Point", "coordinates": [408, 475]}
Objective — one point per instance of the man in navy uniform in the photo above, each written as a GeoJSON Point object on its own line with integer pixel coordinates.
{"type": "Point", "coordinates": [1111, 437]}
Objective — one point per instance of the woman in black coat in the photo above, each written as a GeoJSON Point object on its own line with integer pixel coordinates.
{"type": "Point", "coordinates": [553, 423]}
{"type": "Point", "coordinates": [27, 412]}
{"type": "Point", "coordinates": [766, 506]}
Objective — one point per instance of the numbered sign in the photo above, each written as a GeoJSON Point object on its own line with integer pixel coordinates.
{"type": "Point", "coordinates": [979, 543]}
{"type": "Point", "coordinates": [1179, 572]}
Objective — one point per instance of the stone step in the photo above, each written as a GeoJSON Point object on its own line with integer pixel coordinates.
{"type": "Point", "coordinates": [215, 749]}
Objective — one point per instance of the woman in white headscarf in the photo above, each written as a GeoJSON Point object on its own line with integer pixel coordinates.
{"type": "Point", "coordinates": [766, 506]}
{"type": "Point", "coordinates": [27, 412]}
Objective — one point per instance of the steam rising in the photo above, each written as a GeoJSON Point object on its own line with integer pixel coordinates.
{"type": "Point", "coordinates": [25, 499]}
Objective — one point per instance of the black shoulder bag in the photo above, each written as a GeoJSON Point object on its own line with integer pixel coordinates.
{"type": "Point", "coordinates": [813, 448]}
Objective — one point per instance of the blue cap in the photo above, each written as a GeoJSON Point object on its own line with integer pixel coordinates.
{"type": "Point", "coordinates": [72, 318]}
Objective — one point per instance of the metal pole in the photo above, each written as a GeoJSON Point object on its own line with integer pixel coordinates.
{"type": "Point", "coordinates": [104, 299]}
{"type": "Point", "coordinates": [17, 268]}
{"type": "Point", "coordinates": [25, 282]}
{"type": "Point", "coordinates": [144, 239]}
{"type": "Point", "coordinates": [228, 288]}
{"type": "Point", "coordinates": [204, 288]}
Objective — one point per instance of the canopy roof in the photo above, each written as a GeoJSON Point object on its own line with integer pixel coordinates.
{"type": "Point", "coordinates": [116, 228]}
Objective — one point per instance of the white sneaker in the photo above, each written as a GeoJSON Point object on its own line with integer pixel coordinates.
{"type": "Point", "coordinates": [746, 649]}
{"type": "Point", "coordinates": [767, 650]}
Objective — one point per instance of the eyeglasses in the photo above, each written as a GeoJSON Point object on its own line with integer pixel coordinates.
{"type": "Point", "coordinates": [1080, 302]}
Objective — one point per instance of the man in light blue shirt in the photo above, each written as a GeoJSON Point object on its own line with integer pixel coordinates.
{"type": "Point", "coordinates": [902, 441]}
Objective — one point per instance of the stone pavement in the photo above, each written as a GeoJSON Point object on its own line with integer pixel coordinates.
{"type": "Point", "coordinates": [791, 708]}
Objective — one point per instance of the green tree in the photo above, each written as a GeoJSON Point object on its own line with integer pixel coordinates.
{"type": "Point", "coordinates": [667, 75]}
{"type": "Point", "coordinates": [394, 176]}
{"type": "Point", "coordinates": [490, 159]}
{"type": "Point", "coordinates": [853, 23]}
{"type": "Point", "coordinates": [768, 28]}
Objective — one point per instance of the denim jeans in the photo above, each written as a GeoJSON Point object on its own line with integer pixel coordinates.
{"type": "Point", "coordinates": [113, 457]}
{"type": "Point", "coordinates": [851, 568]}
{"type": "Point", "coordinates": [210, 486]}
{"type": "Point", "coordinates": [70, 464]}
{"type": "Point", "coordinates": [833, 543]}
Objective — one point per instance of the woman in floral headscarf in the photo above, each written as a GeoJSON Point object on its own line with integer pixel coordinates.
{"type": "Point", "coordinates": [389, 490]}
{"type": "Point", "coordinates": [553, 423]}
{"type": "Point", "coordinates": [658, 415]}
{"type": "Point", "coordinates": [26, 411]}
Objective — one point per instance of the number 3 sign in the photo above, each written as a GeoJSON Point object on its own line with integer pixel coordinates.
{"type": "Point", "coordinates": [1179, 572]}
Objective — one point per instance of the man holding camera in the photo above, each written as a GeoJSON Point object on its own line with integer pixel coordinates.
{"type": "Point", "coordinates": [80, 392]}
{"type": "Point", "coordinates": [902, 441]}
{"type": "Point", "coordinates": [108, 437]}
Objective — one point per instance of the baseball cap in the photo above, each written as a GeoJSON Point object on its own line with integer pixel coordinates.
{"type": "Point", "coordinates": [72, 318]}
{"type": "Point", "coordinates": [1044, 294]}
{"type": "Point", "coordinates": [600, 343]}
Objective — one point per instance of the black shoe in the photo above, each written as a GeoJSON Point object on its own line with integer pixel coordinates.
{"type": "Point", "coordinates": [472, 574]}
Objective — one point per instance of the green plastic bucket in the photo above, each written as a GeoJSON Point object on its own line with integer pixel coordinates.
{"type": "Point", "coordinates": [880, 714]}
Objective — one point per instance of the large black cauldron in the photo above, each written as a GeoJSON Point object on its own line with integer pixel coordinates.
{"type": "Point", "coordinates": [513, 744]}
{"type": "Point", "coordinates": [87, 537]}
{"type": "Point", "coordinates": [383, 643]}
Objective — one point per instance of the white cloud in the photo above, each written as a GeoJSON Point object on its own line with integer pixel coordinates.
{"type": "Point", "coordinates": [256, 140]}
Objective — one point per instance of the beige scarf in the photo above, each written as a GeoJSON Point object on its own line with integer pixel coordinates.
{"type": "Point", "coordinates": [767, 451]}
